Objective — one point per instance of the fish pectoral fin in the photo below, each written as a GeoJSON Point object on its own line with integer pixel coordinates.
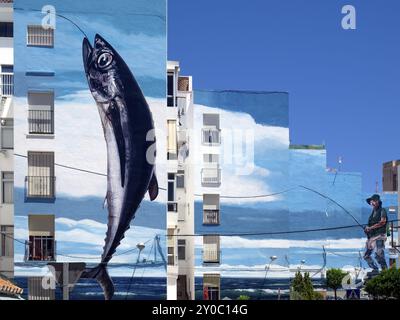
{"type": "Point", "coordinates": [105, 203]}
{"type": "Point", "coordinates": [153, 188]}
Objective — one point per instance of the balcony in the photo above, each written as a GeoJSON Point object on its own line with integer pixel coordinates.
{"type": "Point", "coordinates": [211, 256]}
{"type": "Point", "coordinates": [6, 84]}
{"type": "Point", "coordinates": [41, 121]}
{"type": "Point", "coordinates": [211, 217]}
{"type": "Point", "coordinates": [40, 187]}
{"type": "Point", "coordinates": [211, 249]}
{"type": "Point", "coordinates": [40, 248]}
{"type": "Point", "coordinates": [211, 177]}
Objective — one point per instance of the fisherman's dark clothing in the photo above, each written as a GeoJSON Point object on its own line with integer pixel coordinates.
{"type": "Point", "coordinates": [376, 240]}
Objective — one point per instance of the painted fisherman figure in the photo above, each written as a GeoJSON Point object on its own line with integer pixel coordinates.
{"type": "Point", "coordinates": [376, 233]}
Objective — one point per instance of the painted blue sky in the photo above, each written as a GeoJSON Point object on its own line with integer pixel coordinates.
{"type": "Point", "coordinates": [137, 32]}
{"type": "Point", "coordinates": [343, 85]}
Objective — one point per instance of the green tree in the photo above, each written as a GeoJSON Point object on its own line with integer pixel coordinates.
{"type": "Point", "coordinates": [386, 285]}
{"type": "Point", "coordinates": [334, 278]}
{"type": "Point", "coordinates": [243, 297]}
{"type": "Point", "coordinates": [303, 289]}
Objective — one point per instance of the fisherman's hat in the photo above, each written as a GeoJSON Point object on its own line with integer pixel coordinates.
{"type": "Point", "coordinates": [374, 197]}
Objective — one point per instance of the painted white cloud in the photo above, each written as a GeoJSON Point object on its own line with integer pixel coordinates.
{"type": "Point", "coordinates": [244, 243]}
{"type": "Point", "coordinates": [79, 143]}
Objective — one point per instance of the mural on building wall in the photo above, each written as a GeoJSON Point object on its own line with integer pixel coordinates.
{"type": "Point", "coordinates": [127, 122]}
{"type": "Point", "coordinates": [56, 116]}
{"type": "Point", "coordinates": [289, 188]}
{"type": "Point", "coordinates": [254, 162]}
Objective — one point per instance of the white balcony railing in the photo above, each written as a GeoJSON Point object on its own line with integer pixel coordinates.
{"type": "Point", "coordinates": [6, 84]}
{"type": "Point", "coordinates": [211, 177]}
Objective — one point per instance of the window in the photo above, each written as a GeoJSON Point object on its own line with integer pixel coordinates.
{"type": "Point", "coordinates": [40, 37]}
{"type": "Point", "coordinates": [7, 134]}
{"type": "Point", "coordinates": [40, 180]}
{"type": "Point", "coordinates": [180, 181]}
{"type": "Point", "coordinates": [41, 248]}
{"type": "Point", "coordinates": [211, 131]}
{"type": "Point", "coordinates": [7, 68]}
{"type": "Point", "coordinates": [6, 241]}
{"type": "Point", "coordinates": [6, 29]}
{"type": "Point", "coordinates": [172, 207]}
{"type": "Point", "coordinates": [211, 158]}
{"type": "Point", "coordinates": [171, 187]}
{"type": "Point", "coordinates": [41, 114]}
{"type": "Point", "coordinates": [211, 286]}
{"type": "Point", "coordinates": [211, 209]}
{"type": "Point", "coordinates": [181, 249]}
{"type": "Point", "coordinates": [41, 238]}
{"type": "Point", "coordinates": [7, 187]}
{"type": "Point", "coordinates": [171, 246]}
{"type": "Point", "coordinates": [172, 140]}
{"type": "Point", "coordinates": [7, 80]}
{"type": "Point", "coordinates": [171, 90]}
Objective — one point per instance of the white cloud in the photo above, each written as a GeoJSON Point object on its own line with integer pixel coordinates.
{"type": "Point", "coordinates": [79, 142]}
{"type": "Point", "coordinates": [244, 243]}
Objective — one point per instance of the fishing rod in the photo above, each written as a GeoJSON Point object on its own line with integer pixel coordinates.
{"type": "Point", "coordinates": [335, 202]}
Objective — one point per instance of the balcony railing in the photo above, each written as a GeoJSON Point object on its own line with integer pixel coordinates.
{"type": "Point", "coordinates": [6, 84]}
{"type": "Point", "coordinates": [40, 37]}
{"type": "Point", "coordinates": [211, 137]}
{"type": "Point", "coordinates": [211, 177]}
{"type": "Point", "coordinates": [41, 121]}
{"type": "Point", "coordinates": [40, 187]}
{"type": "Point", "coordinates": [211, 256]}
{"type": "Point", "coordinates": [40, 249]}
{"type": "Point", "coordinates": [210, 217]}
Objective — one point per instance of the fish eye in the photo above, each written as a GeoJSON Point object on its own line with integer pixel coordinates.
{"type": "Point", "coordinates": [105, 60]}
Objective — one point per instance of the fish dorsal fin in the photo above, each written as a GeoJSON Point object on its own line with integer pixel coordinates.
{"type": "Point", "coordinates": [153, 188]}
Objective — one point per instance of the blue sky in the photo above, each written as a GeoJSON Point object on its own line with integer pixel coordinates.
{"type": "Point", "coordinates": [343, 85]}
{"type": "Point", "coordinates": [139, 35]}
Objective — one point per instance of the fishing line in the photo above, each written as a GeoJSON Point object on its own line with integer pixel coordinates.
{"type": "Point", "coordinates": [58, 15]}
{"type": "Point", "coordinates": [335, 202]}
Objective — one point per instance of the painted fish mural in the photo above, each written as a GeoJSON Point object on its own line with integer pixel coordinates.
{"type": "Point", "coordinates": [127, 124]}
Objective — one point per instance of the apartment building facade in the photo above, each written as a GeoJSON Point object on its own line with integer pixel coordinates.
{"type": "Point", "coordinates": [390, 176]}
{"type": "Point", "coordinates": [391, 198]}
{"type": "Point", "coordinates": [180, 185]}
{"type": "Point", "coordinates": [242, 148]}
{"type": "Point", "coordinates": [211, 181]}
{"type": "Point", "coordinates": [7, 139]}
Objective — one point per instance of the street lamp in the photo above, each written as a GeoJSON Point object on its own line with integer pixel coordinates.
{"type": "Point", "coordinates": [302, 262]}
{"type": "Point", "coordinates": [140, 247]}
{"type": "Point", "coordinates": [267, 267]}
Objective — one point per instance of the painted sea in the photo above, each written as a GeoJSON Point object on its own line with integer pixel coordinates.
{"type": "Point", "coordinates": [155, 288]}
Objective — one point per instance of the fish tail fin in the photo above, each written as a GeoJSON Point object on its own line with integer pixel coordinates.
{"type": "Point", "coordinates": [100, 273]}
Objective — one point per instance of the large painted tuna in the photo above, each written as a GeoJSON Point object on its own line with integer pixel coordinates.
{"type": "Point", "coordinates": [129, 133]}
